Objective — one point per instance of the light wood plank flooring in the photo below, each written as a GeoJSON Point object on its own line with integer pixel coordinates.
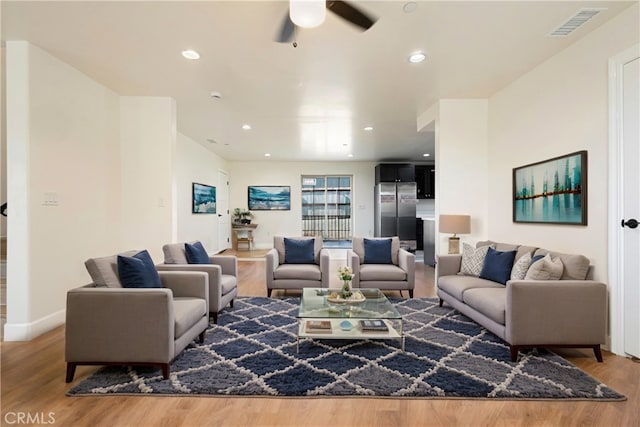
{"type": "Point", "coordinates": [33, 382]}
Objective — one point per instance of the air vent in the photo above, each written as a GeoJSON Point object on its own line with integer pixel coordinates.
{"type": "Point", "coordinates": [575, 22]}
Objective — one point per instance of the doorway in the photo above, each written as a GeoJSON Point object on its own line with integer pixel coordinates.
{"type": "Point", "coordinates": [624, 206]}
{"type": "Point", "coordinates": [222, 208]}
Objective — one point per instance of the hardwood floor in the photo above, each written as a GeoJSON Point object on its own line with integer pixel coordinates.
{"type": "Point", "coordinates": [33, 384]}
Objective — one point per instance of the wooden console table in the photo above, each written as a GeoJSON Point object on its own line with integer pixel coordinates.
{"type": "Point", "coordinates": [242, 234]}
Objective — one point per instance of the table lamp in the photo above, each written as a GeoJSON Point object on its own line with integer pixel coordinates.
{"type": "Point", "coordinates": [456, 224]}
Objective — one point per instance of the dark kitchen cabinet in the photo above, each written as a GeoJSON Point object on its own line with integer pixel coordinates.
{"type": "Point", "coordinates": [395, 172]}
{"type": "Point", "coordinates": [426, 182]}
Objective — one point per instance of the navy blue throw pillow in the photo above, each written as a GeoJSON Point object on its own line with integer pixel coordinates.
{"type": "Point", "coordinates": [196, 254]}
{"type": "Point", "coordinates": [377, 251]}
{"type": "Point", "coordinates": [299, 251]}
{"type": "Point", "coordinates": [497, 266]}
{"type": "Point", "coordinates": [536, 258]}
{"type": "Point", "coordinates": [138, 271]}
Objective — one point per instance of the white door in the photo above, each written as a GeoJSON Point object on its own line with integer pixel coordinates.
{"type": "Point", "coordinates": [223, 211]}
{"type": "Point", "coordinates": [631, 205]}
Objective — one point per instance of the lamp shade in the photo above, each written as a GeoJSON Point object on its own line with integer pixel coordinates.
{"type": "Point", "coordinates": [456, 224]}
{"type": "Point", "coordinates": [307, 13]}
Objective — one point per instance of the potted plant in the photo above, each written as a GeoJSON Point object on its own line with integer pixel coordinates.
{"type": "Point", "coordinates": [242, 216]}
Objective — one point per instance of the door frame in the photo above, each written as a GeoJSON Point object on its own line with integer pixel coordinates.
{"type": "Point", "coordinates": [616, 250]}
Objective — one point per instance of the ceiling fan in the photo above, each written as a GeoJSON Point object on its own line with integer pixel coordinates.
{"type": "Point", "coordinates": [310, 13]}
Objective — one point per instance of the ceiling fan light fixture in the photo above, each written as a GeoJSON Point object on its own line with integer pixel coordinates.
{"type": "Point", "coordinates": [307, 13]}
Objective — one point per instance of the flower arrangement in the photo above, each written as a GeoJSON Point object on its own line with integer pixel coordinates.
{"type": "Point", "coordinates": [345, 273]}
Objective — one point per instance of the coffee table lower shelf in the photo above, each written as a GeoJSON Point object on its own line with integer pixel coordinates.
{"type": "Point", "coordinates": [337, 333]}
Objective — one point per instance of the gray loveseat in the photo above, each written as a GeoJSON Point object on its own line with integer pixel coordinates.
{"type": "Point", "coordinates": [568, 312]}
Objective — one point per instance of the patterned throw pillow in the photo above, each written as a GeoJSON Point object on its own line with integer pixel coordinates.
{"type": "Point", "coordinates": [546, 269]}
{"type": "Point", "coordinates": [521, 266]}
{"type": "Point", "coordinates": [473, 259]}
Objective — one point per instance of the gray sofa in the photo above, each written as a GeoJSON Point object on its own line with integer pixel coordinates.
{"type": "Point", "coordinates": [107, 324]}
{"type": "Point", "coordinates": [568, 312]}
{"type": "Point", "coordinates": [283, 275]}
{"type": "Point", "coordinates": [399, 275]}
{"type": "Point", "coordinates": [222, 271]}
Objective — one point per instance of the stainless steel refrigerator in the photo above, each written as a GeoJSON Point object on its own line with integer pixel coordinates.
{"type": "Point", "coordinates": [395, 211]}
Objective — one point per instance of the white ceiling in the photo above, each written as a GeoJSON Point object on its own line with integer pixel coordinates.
{"type": "Point", "coordinates": [310, 102]}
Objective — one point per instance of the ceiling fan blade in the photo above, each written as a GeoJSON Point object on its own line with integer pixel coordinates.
{"type": "Point", "coordinates": [287, 30]}
{"type": "Point", "coordinates": [351, 14]}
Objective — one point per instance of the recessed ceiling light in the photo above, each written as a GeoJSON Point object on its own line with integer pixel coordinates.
{"type": "Point", "coordinates": [368, 128]}
{"type": "Point", "coordinates": [190, 54]}
{"type": "Point", "coordinates": [416, 57]}
{"type": "Point", "coordinates": [267, 154]}
{"type": "Point", "coordinates": [246, 127]}
{"type": "Point", "coordinates": [410, 7]}
{"type": "Point", "coordinates": [426, 155]}
{"type": "Point", "coordinates": [349, 155]}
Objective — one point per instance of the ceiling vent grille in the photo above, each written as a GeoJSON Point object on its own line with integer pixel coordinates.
{"type": "Point", "coordinates": [575, 22]}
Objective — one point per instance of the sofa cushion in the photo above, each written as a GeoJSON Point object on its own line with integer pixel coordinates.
{"type": "Point", "coordinates": [229, 283]}
{"type": "Point", "coordinates": [298, 271]}
{"type": "Point", "coordinates": [547, 268]}
{"type": "Point", "coordinates": [298, 251]}
{"type": "Point", "coordinates": [497, 265]}
{"type": "Point", "coordinates": [278, 244]}
{"type": "Point", "coordinates": [138, 271]}
{"type": "Point", "coordinates": [382, 272]}
{"type": "Point", "coordinates": [377, 251]}
{"type": "Point", "coordinates": [473, 259]}
{"type": "Point", "coordinates": [186, 312]}
{"type": "Point", "coordinates": [196, 253]}
{"type": "Point", "coordinates": [104, 270]}
{"type": "Point", "coordinates": [357, 243]}
{"type": "Point", "coordinates": [520, 267]}
{"type": "Point", "coordinates": [576, 267]}
{"type": "Point", "coordinates": [489, 301]}
{"type": "Point", "coordinates": [456, 286]}
{"type": "Point", "coordinates": [174, 253]}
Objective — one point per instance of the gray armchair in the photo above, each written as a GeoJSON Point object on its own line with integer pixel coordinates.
{"type": "Point", "coordinates": [107, 324]}
{"type": "Point", "coordinates": [398, 275]}
{"type": "Point", "coordinates": [223, 275]}
{"type": "Point", "coordinates": [284, 275]}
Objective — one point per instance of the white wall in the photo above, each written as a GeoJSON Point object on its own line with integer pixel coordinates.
{"type": "Point", "coordinates": [62, 145]}
{"type": "Point", "coordinates": [3, 141]}
{"type": "Point", "coordinates": [461, 164]}
{"type": "Point", "coordinates": [148, 142]}
{"type": "Point", "coordinates": [270, 223]}
{"type": "Point", "coordinates": [558, 108]}
{"type": "Point", "coordinates": [194, 163]}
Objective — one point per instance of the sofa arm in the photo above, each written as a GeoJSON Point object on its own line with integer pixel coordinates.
{"type": "Point", "coordinates": [353, 262]}
{"type": "Point", "coordinates": [272, 261]}
{"type": "Point", "coordinates": [556, 312]}
{"type": "Point", "coordinates": [325, 271]}
{"type": "Point", "coordinates": [229, 264]}
{"type": "Point", "coordinates": [448, 265]}
{"type": "Point", "coordinates": [407, 262]}
{"type": "Point", "coordinates": [194, 284]}
{"type": "Point", "coordinates": [119, 325]}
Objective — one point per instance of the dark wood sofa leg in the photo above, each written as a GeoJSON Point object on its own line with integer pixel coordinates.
{"type": "Point", "coordinates": [514, 352]}
{"type": "Point", "coordinates": [597, 352]}
{"type": "Point", "coordinates": [269, 292]}
{"type": "Point", "coordinates": [231, 304]}
{"type": "Point", "coordinates": [71, 371]}
{"type": "Point", "coordinates": [441, 301]}
{"type": "Point", "coordinates": [215, 317]}
{"type": "Point", "coordinates": [410, 293]}
{"type": "Point", "coordinates": [165, 370]}
{"type": "Point", "coordinates": [201, 336]}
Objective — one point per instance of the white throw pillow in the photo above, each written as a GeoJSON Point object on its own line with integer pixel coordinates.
{"type": "Point", "coordinates": [545, 269]}
{"type": "Point", "coordinates": [520, 267]}
{"type": "Point", "coordinates": [473, 259]}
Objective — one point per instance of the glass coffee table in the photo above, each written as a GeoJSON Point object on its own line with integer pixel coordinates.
{"type": "Point", "coordinates": [373, 318]}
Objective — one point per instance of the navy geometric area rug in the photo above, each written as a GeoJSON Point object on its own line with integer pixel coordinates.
{"type": "Point", "coordinates": [252, 352]}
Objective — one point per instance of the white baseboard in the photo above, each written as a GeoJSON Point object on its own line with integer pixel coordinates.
{"type": "Point", "coordinates": [28, 331]}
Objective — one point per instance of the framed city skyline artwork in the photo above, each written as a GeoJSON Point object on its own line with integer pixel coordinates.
{"type": "Point", "coordinates": [552, 191]}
